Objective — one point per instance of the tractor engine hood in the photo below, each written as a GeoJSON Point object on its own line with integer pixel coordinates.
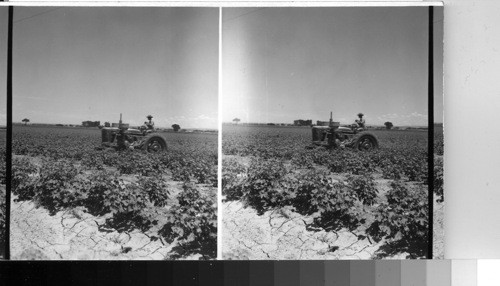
{"type": "Point", "coordinates": [134, 131]}
{"type": "Point", "coordinates": [343, 128]}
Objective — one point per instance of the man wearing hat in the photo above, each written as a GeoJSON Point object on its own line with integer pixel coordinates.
{"type": "Point", "coordinates": [150, 124]}
{"type": "Point", "coordinates": [360, 121]}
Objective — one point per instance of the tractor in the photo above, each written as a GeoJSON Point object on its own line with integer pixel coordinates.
{"type": "Point", "coordinates": [331, 135]}
{"type": "Point", "coordinates": [123, 137]}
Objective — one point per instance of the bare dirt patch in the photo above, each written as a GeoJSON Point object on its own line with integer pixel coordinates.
{"type": "Point", "coordinates": [74, 234]}
{"type": "Point", "coordinates": [282, 234]}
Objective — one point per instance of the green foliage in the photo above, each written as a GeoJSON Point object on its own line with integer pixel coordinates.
{"type": "Point", "coordinates": [438, 141]}
{"type": "Point", "coordinates": [335, 187]}
{"type": "Point", "coordinates": [156, 189]}
{"type": "Point", "coordinates": [233, 174]}
{"type": "Point", "coordinates": [195, 161]}
{"type": "Point", "coordinates": [311, 189]}
{"type": "Point", "coordinates": [402, 221]}
{"type": "Point", "coordinates": [268, 187]}
{"type": "Point", "coordinates": [439, 179]}
{"type": "Point", "coordinates": [364, 188]}
{"type": "Point", "coordinates": [260, 189]}
{"type": "Point", "coordinates": [23, 173]}
{"type": "Point", "coordinates": [193, 222]}
{"type": "Point", "coordinates": [392, 172]}
{"type": "Point", "coordinates": [54, 186]}
{"type": "Point", "coordinates": [350, 162]}
{"type": "Point", "coordinates": [415, 169]}
{"type": "Point", "coordinates": [3, 166]}
{"type": "Point", "coordinates": [61, 169]}
{"type": "Point", "coordinates": [333, 201]}
{"type": "Point", "coordinates": [340, 210]}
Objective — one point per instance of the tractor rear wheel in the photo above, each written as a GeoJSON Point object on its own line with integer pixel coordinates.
{"type": "Point", "coordinates": [154, 144]}
{"type": "Point", "coordinates": [366, 142]}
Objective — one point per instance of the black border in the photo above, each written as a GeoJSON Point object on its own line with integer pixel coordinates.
{"type": "Point", "coordinates": [8, 150]}
{"type": "Point", "coordinates": [430, 152]}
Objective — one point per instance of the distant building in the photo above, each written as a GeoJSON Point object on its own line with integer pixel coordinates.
{"type": "Point", "coordinates": [301, 122]}
{"type": "Point", "coordinates": [91, 123]}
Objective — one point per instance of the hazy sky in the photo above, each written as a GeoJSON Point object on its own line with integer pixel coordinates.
{"type": "Point", "coordinates": [281, 64]}
{"type": "Point", "coordinates": [73, 64]}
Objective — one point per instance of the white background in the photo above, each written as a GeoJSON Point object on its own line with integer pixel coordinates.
{"type": "Point", "coordinates": [472, 135]}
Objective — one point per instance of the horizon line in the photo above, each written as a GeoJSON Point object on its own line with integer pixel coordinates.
{"type": "Point", "coordinates": [80, 125]}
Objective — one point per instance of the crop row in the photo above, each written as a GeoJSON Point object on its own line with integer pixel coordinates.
{"type": "Point", "coordinates": [63, 168]}
{"type": "Point", "coordinates": [339, 188]}
{"type": "Point", "coordinates": [134, 203]}
{"type": "Point", "coordinates": [400, 218]}
{"type": "Point", "coordinates": [403, 155]}
{"type": "Point", "coordinates": [194, 159]}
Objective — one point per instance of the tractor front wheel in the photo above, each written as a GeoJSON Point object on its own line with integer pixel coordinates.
{"type": "Point", "coordinates": [154, 144]}
{"type": "Point", "coordinates": [366, 142]}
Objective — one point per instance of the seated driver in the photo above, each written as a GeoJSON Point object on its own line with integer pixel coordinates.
{"type": "Point", "coordinates": [150, 124]}
{"type": "Point", "coordinates": [360, 121]}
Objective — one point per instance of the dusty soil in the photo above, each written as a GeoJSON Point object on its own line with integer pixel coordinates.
{"type": "Point", "coordinates": [74, 234]}
{"type": "Point", "coordinates": [282, 234]}
{"type": "Point", "coordinates": [438, 231]}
